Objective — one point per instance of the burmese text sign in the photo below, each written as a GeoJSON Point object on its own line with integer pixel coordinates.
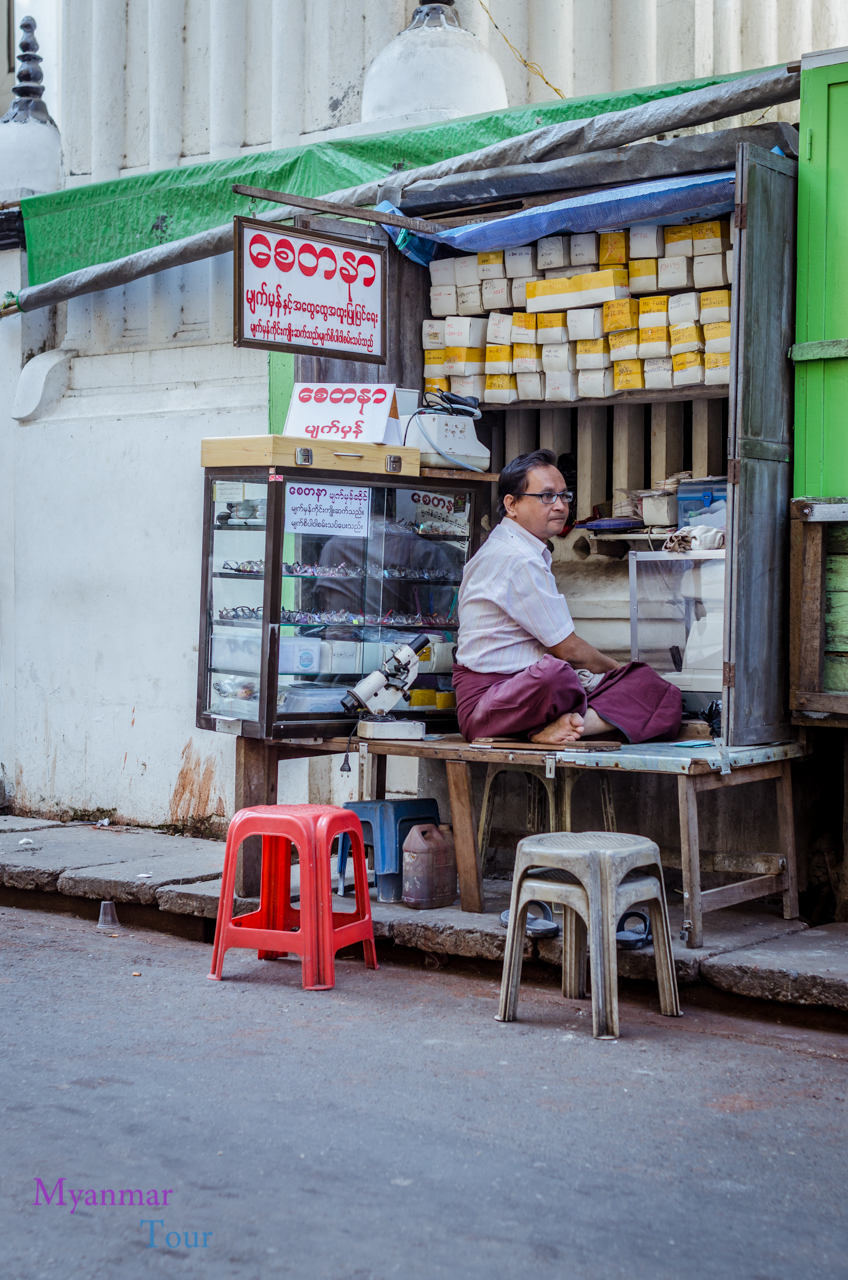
{"type": "Point", "coordinates": [311, 294]}
{"type": "Point", "coordinates": [331, 509]}
{"type": "Point", "coordinates": [344, 411]}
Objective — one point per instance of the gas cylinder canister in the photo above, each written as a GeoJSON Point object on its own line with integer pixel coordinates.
{"type": "Point", "coordinates": [429, 867]}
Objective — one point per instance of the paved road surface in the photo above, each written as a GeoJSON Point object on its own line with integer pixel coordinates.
{"type": "Point", "coordinates": [391, 1128]}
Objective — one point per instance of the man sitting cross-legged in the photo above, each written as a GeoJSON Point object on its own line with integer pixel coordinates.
{"type": "Point", "coordinates": [518, 656]}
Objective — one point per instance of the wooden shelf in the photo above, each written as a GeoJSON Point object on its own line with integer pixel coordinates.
{"type": "Point", "coordinates": [699, 392]}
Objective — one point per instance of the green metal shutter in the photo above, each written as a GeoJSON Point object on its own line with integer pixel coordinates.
{"type": "Point", "coordinates": [821, 335]}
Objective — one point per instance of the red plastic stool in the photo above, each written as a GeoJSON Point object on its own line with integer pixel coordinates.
{"type": "Point", "coordinates": [315, 932]}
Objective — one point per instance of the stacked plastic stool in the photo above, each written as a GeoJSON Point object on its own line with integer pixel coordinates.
{"type": "Point", "coordinates": [385, 825]}
{"type": "Point", "coordinates": [597, 876]}
{"type": "Point", "coordinates": [314, 931]}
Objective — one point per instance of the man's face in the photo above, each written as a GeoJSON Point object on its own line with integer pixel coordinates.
{"type": "Point", "coordinates": [531, 512]}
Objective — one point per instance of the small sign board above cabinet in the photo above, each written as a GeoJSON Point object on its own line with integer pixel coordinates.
{"type": "Point", "coordinates": [346, 411]}
{"type": "Point", "coordinates": [316, 295]}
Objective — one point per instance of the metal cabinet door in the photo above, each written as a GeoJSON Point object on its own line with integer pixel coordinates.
{"type": "Point", "coordinates": [756, 681]}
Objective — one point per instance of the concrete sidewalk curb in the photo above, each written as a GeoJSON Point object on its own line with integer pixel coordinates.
{"type": "Point", "coordinates": [806, 968]}
{"type": "Point", "coordinates": [750, 950]}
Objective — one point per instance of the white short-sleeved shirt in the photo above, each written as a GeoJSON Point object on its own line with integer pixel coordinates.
{"type": "Point", "coordinates": [510, 610]}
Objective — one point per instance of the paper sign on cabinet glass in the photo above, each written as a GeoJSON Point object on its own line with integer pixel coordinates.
{"type": "Point", "coordinates": [311, 294]}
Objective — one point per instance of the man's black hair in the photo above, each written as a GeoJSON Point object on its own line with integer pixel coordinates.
{"type": "Point", "coordinates": [513, 478]}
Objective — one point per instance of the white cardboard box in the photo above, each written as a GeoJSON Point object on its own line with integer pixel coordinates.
{"type": "Point", "coordinates": [465, 269]}
{"type": "Point", "coordinates": [442, 271]}
{"type": "Point", "coordinates": [469, 300]}
{"type": "Point", "coordinates": [674, 272]}
{"type": "Point", "coordinates": [595, 384]}
{"type": "Point", "coordinates": [465, 331]}
{"type": "Point", "coordinates": [553, 251]}
{"type": "Point", "coordinates": [709, 271]}
{"type": "Point", "coordinates": [561, 386]}
{"type": "Point", "coordinates": [498, 330]}
{"type": "Point", "coordinates": [443, 299]}
{"type": "Point", "coordinates": [433, 335]}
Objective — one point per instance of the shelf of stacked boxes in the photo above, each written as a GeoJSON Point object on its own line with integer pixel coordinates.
{"type": "Point", "coordinates": [584, 317]}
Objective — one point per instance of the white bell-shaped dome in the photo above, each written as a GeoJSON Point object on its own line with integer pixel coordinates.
{"type": "Point", "coordinates": [433, 70]}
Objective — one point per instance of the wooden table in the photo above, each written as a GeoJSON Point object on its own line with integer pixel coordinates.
{"type": "Point", "coordinates": [698, 766]}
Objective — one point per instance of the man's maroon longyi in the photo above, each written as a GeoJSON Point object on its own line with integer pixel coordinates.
{"type": "Point", "coordinates": [634, 699]}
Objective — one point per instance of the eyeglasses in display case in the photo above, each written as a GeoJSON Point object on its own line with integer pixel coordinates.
{"type": "Point", "coordinates": [310, 581]}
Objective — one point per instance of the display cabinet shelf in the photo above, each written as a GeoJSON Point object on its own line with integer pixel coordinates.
{"type": "Point", "coordinates": [320, 631]}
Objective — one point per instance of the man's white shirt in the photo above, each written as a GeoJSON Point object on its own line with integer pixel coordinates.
{"type": "Point", "coordinates": [510, 610]}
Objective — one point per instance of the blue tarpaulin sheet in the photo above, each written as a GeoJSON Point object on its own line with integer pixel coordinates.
{"type": "Point", "coordinates": [667, 200]}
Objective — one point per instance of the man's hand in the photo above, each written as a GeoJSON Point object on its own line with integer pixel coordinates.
{"type": "Point", "coordinates": [581, 654]}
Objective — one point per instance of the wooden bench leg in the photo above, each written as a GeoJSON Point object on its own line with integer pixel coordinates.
{"type": "Point", "coordinates": [690, 861]}
{"type": "Point", "coordinates": [484, 833]}
{"type": "Point", "coordinates": [786, 835]}
{"type": "Point", "coordinates": [464, 835]}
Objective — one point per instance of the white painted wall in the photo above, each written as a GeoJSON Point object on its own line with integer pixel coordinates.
{"type": "Point", "coordinates": [100, 659]}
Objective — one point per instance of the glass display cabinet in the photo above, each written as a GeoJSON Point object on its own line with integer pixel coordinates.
{"type": "Point", "coordinates": [311, 580]}
{"type": "Point", "coordinates": [677, 620]}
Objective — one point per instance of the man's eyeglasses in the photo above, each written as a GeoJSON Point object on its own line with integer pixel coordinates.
{"type": "Point", "coordinates": [548, 498]}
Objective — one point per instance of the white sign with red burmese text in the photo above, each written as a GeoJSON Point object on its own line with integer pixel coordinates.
{"type": "Point", "coordinates": [343, 411]}
{"type": "Point", "coordinates": [312, 294]}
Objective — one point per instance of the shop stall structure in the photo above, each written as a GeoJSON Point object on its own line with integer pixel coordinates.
{"type": "Point", "coordinates": [313, 611]}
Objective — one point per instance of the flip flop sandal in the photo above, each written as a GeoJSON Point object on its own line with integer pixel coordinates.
{"type": "Point", "coordinates": [633, 939]}
{"type": "Point", "coordinates": [541, 926]}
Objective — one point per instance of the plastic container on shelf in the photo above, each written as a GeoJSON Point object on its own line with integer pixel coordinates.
{"type": "Point", "coordinates": [299, 655]}
{"type": "Point", "coordinates": [234, 697]}
{"type": "Point", "coordinates": [695, 498]}
{"type": "Point", "coordinates": [236, 650]}
{"type": "Point", "coordinates": [315, 699]}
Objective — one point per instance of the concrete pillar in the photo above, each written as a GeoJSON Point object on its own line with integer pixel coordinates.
{"type": "Point", "coordinates": [164, 306]}
{"type": "Point", "coordinates": [666, 440]}
{"type": "Point", "coordinates": [76, 86]}
{"type": "Point", "coordinates": [106, 87]}
{"type": "Point", "coordinates": [591, 459]}
{"type": "Point", "coordinates": [703, 38]}
{"type": "Point", "coordinates": [628, 449]}
{"type": "Point", "coordinates": [634, 43]}
{"type": "Point", "coordinates": [475, 20]}
{"type": "Point", "coordinates": [107, 319]}
{"type": "Point", "coordinates": [316, 56]}
{"type": "Point", "coordinates": [221, 298]}
{"type": "Point", "coordinates": [795, 31]}
{"type": "Point", "coordinates": [287, 63]}
{"type": "Point", "coordinates": [706, 438]}
{"type": "Point", "coordinates": [675, 39]}
{"type": "Point", "coordinates": [758, 40]}
{"type": "Point", "coordinates": [727, 36]}
{"type": "Point", "coordinates": [551, 45]}
{"type": "Point", "coordinates": [78, 325]}
{"type": "Point", "coordinates": [227, 29]}
{"type": "Point", "coordinates": [593, 70]}
{"type": "Point", "coordinates": [511, 17]}
{"type": "Point", "coordinates": [165, 23]}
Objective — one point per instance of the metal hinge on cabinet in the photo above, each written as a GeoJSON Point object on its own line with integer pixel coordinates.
{"type": "Point", "coordinates": [740, 217]}
{"type": "Point", "coordinates": [729, 677]}
{"type": "Point", "coordinates": [733, 465]}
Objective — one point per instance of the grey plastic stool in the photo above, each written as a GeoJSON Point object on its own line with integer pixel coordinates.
{"type": "Point", "coordinates": [557, 793]}
{"type": "Point", "coordinates": [597, 876]}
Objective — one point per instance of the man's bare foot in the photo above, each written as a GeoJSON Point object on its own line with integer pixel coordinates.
{"type": "Point", "coordinates": [593, 725]}
{"type": "Point", "coordinates": [568, 728]}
